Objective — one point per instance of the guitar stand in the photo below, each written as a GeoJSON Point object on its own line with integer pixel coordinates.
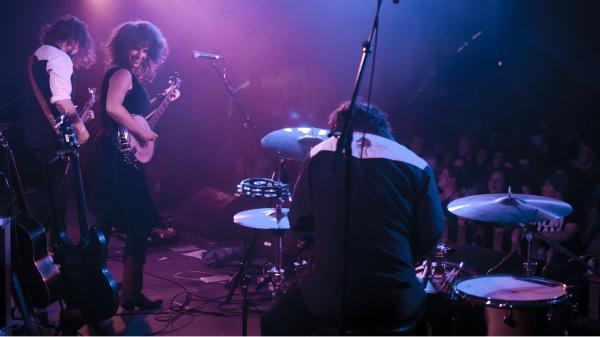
{"type": "Point", "coordinates": [9, 235]}
{"type": "Point", "coordinates": [21, 304]}
{"type": "Point", "coordinates": [71, 321]}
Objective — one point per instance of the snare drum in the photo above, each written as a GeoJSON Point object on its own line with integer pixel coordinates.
{"type": "Point", "coordinates": [514, 305]}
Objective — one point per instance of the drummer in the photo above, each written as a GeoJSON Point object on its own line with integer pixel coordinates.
{"type": "Point", "coordinates": [395, 218]}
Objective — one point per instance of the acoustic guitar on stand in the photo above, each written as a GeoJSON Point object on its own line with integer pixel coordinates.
{"type": "Point", "coordinates": [35, 267]}
{"type": "Point", "coordinates": [132, 151]}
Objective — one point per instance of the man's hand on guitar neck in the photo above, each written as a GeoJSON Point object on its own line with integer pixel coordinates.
{"type": "Point", "coordinates": [67, 107]}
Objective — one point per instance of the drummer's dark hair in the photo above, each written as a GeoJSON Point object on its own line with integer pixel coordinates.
{"type": "Point", "coordinates": [366, 118]}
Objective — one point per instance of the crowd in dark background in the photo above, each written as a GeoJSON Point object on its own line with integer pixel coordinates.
{"type": "Point", "coordinates": [552, 157]}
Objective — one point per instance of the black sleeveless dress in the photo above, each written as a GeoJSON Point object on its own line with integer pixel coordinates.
{"type": "Point", "coordinates": [118, 192]}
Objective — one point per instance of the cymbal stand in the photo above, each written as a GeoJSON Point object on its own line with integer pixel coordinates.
{"type": "Point", "coordinates": [277, 284]}
{"type": "Point", "coordinates": [529, 266]}
{"type": "Point", "coordinates": [242, 278]}
{"type": "Point", "coordinates": [276, 273]}
{"type": "Point", "coordinates": [566, 252]}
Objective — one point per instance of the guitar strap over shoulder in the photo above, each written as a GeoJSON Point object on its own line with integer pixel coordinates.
{"type": "Point", "coordinates": [40, 97]}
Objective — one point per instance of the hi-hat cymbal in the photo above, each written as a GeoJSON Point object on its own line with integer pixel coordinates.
{"type": "Point", "coordinates": [263, 218]}
{"type": "Point", "coordinates": [509, 208]}
{"type": "Point", "coordinates": [293, 143]}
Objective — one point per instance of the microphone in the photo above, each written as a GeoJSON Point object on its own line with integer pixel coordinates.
{"type": "Point", "coordinates": [202, 55]}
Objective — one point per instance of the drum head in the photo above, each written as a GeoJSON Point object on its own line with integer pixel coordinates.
{"type": "Point", "coordinates": [504, 290]}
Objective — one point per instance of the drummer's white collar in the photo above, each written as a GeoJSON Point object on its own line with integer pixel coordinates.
{"type": "Point", "coordinates": [370, 146]}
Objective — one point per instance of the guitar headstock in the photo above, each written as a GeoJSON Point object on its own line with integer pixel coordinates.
{"type": "Point", "coordinates": [92, 99]}
{"type": "Point", "coordinates": [172, 92]}
{"type": "Point", "coordinates": [175, 80]}
{"type": "Point", "coordinates": [87, 112]}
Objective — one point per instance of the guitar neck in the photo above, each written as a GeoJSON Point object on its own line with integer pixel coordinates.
{"type": "Point", "coordinates": [155, 115]}
{"type": "Point", "coordinates": [86, 112]}
{"type": "Point", "coordinates": [80, 196]}
{"type": "Point", "coordinates": [85, 116]}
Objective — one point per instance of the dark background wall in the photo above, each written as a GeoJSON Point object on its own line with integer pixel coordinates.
{"type": "Point", "coordinates": [440, 66]}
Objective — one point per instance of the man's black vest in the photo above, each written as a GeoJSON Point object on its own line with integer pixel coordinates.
{"type": "Point", "coordinates": [37, 131]}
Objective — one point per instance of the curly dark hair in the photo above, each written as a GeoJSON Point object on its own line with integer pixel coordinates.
{"type": "Point", "coordinates": [366, 118]}
{"type": "Point", "coordinates": [69, 28]}
{"type": "Point", "coordinates": [132, 34]}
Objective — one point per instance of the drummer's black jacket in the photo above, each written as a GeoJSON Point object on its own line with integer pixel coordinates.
{"type": "Point", "coordinates": [395, 218]}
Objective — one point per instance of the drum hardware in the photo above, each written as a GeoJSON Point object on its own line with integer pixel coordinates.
{"type": "Point", "coordinates": [509, 320]}
{"type": "Point", "coordinates": [508, 208]}
{"type": "Point", "coordinates": [522, 209]}
{"type": "Point", "coordinates": [274, 219]}
{"type": "Point", "coordinates": [514, 305]}
{"type": "Point", "coordinates": [293, 143]}
{"type": "Point", "coordinates": [529, 266]}
{"type": "Point", "coordinates": [434, 270]}
{"type": "Point", "coordinates": [499, 264]}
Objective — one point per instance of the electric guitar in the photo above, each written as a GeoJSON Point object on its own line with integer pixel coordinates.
{"type": "Point", "coordinates": [34, 266]}
{"type": "Point", "coordinates": [86, 113]}
{"type": "Point", "coordinates": [132, 151]}
{"type": "Point", "coordinates": [89, 286]}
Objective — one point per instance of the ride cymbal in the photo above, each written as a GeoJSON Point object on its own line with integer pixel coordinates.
{"type": "Point", "coordinates": [509, 208]}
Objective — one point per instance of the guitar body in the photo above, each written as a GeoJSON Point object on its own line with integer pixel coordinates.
{"type": "Point", "coordinates": [89, 285]}
{"type": "Point", "coordinates": [89, 288]}
{"type": "Point", "coordinates": [133, 153]}
{"type": "Point", "coordinates": [34, 265]}
{"type": "Point", "coordinates": [36, 269]}
{"type": "Point", "coordinates": [142, 154]}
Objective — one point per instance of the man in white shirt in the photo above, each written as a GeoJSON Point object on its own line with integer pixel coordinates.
{"type": "Point", "coordinates": [65, 45]}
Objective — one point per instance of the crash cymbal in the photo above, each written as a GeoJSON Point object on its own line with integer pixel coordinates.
{"type": "Point", "coordinates": [263, 218]}
{"type": "Point", "coordinates": [509, 208]}
{"type": "Point", "coordinates": [293, 143]}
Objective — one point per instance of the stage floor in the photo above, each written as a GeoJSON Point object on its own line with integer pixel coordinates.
{"type": "Point", "coordinates": [194, 304]}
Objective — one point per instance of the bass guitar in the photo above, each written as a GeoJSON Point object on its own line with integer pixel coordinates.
{"type": "Point", "coordinates": [35, 267]}
{"type": "Point", "coordinates": [132, 151]}
{"type": "Point", "coordinates": [86, 113]}
{"type": "Point", "coordinates": [89, 286]}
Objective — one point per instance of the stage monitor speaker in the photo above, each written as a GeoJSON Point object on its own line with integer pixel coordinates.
{"type": "Point", "coordinates": [209, 212]}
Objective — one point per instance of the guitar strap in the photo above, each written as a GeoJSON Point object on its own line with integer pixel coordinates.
{"type": "Point", "coordinates": [40, 97]}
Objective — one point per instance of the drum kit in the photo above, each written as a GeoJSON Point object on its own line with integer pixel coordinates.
{"type": "Point", "coordinates": [511, 304]}
{"type": "Point", "coordinates": [288, 144]}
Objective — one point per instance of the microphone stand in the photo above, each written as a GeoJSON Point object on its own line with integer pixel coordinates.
{"type": "Point", "coordinates": [344, 146]}
{"type": "Point", "coordinates": [231, 91]}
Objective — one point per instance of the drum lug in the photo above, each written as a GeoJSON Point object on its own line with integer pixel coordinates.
{"type": "Point", "coordinates": [508, 320]}
{"type": "Point", "coordinates": [550, 315]}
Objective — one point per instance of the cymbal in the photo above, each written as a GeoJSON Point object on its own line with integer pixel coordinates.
{"type": "Point", "coordinates": [263, 218]}
{"type": "Point", "coordinates": [293, 143]}
{"type": "Point", "coordinates": [509, 208]}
